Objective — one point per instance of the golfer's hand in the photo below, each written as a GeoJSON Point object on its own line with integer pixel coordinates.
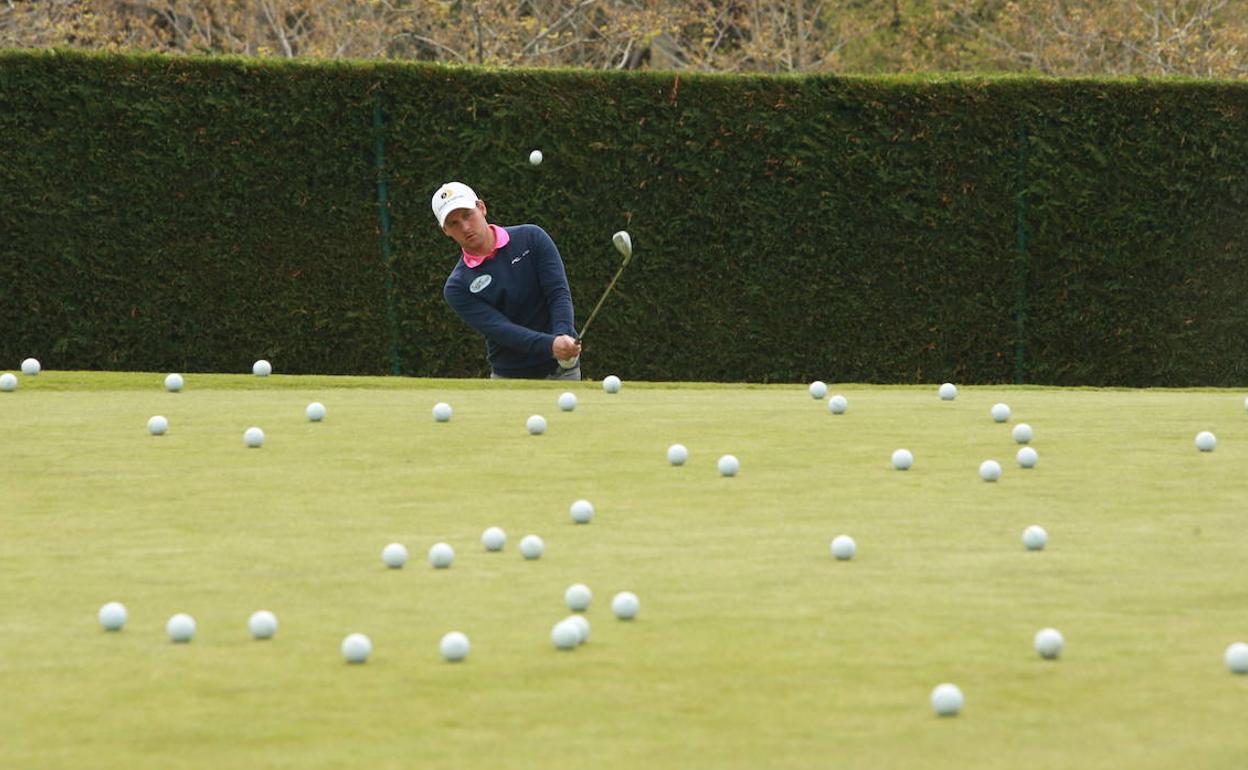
{"type": "Point", "coordinates": [565, 347]}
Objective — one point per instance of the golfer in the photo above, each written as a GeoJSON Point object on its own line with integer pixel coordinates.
{"type": "Point", "coordinates": [509, 284]}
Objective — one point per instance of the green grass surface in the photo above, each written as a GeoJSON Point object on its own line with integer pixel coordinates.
{"type": "Point", "coordinates": [753, 649]}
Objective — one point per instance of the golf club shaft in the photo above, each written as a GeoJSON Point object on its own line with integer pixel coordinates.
{"type": "Point", "coordinates": [598, 307]}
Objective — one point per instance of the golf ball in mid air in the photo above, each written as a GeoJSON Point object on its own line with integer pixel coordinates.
{"type": "Point", "coordinates": [442, 412]}
{"type": "Point", "coordinates": [903, 459]}
{"type": "Point", "coordinates": [536, 425]}
{"type": "Point", "coordinates": [356, 648]}
{"type": "Point", "coordinates": [1027, 457]}
{"type": "Point", "coordinates": [948, 391]}
{"type": "Point", "coordinates": [838, 404]}
{"type": "Point", "coordinates": [990, 470]}
{"type": "Point", "coordinates": [1035, 538]}
{"type": "Point", "coordinates": [181, 627]}
{"type": "Point", "coordinates": [253, 437]}
{"type": "Point", "coordinates": [1049, 643]}
{"type": "Point", "coordinates": [567, 401]}
{"type": "Point", "coordinates": [947, 700]}
{"type": "Point", "coordinates": [532, 547]}
{"type": "Point", "coordinates": [1000, 412]}
{"type": "Point", "coordinates": [1022, 433]}
{"type": "Point", "coordinates": [113, 616]}
{"type": "Point", "coordinates": [843, 547]}
{"type": "Point", "coordinates": [1237, 658]}
{"type": "Point", "coordinates": [818, 389]}
{"type": "Point", "coordinates": [677, 454]}
{"type": "Point", "coordinates": [581, 511]}
{"type": "Point", "coordinates": [315, 411]}
{"type": "Point", "coordinates": [565, 635]}
{"type": "Point", "coordinates": [729, 465]}
{"type": "Point", "coordinates": [31, 367]}
{"type": "Point", "coordinates": [174, 383]}
{"type": "Point", "coordinates": [611, 384]}
{"type": "Point", "coordinates": [394, 555]}
{"type": "Point", "coordinates": [625, 605]}
{"type": "Point", "coordinates": [535, 157]}
{"type": "Point", "coordinates": [262, 368]}
{"type": "Point", "coordinates": [441, 555]}
{"type": "Point", "coordinates": [8, 383]}
{"type": "Point", "coordinates": [1206, 441]}
{"type": "Point", "coordinates": [262, 624]}
{"type": "Point", "coordinates": [577, 597]}
{"type": "Point", "coordinates": [454, 646]}
{"type": "Point", "coordinates": [493, 539]}
{"type": "Point", "coordinates": [157, 425]}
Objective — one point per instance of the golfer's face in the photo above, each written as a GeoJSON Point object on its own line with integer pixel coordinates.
{"type": "Point", "coordinates": [469, 229]}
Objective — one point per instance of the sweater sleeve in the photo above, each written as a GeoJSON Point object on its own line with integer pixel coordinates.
{"type": "Point", "coordinates": [491, 323]}
{"type": "Point", "coordinates": [554, 282]}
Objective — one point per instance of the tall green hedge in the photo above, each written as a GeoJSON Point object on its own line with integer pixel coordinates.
{"type": "Point", "coordinates": [198, 213]}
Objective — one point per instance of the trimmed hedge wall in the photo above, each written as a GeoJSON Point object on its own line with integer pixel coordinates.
{"type": "Point", "coordinates": [195, 214]}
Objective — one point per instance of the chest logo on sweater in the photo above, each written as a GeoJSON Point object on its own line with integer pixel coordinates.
{"type": "Point", "coordinates": [514, 260]}
{"type": "Point", "coordinates": [479, 283]}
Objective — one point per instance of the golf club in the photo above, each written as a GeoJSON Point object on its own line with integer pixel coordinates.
{"type": "Point", "coordinates": [623, 244]}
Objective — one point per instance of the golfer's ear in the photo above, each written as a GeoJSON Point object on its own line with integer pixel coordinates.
{"type": "Point", "coordinates": [481, 206]}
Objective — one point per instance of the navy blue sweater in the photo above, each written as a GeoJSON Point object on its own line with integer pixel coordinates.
{"type": "Point", "coordinates": [519, 300]}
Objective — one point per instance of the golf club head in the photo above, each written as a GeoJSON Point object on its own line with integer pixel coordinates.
{"type": "Point", "coordinates": [623, 244]}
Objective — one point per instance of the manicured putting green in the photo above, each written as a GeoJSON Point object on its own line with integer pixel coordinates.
{"type": "Point", "coordinates": [753, 647]}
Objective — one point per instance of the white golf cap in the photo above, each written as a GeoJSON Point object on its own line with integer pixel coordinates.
{"type": "Point", "coordinates": [451, 196]}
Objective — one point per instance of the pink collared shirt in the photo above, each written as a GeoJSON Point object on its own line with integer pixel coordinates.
{"type": "Point", "coordinates": [501, 239]}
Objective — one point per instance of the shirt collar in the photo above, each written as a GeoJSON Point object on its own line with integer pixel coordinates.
{"type": "Point", "coordinates": [501, 239]}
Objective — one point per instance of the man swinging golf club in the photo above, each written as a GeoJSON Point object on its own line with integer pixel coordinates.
{"type": "Point", "coordinates": [509, 284]}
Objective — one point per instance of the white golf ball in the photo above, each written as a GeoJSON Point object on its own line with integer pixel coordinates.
{"type": "Point", "coordinates": [990, 470]}
{"type": "Point", "coordinates": [535, 157]}
{"type": "Point", "coordinates": [567, 401]}
{"type": "Point", "coordinates": [262, 624]}
{"type": "Point", "coordinates": [625, 605]}
{"type": "Point", "coordinates": [948, 391]}
{"type": "Point", "coordinates": [1206, 441]}
{"type": "Point", "coordinates": [843, 547]}
{"type": "Point", "coordinates": [442, 412]}
{"type": "Point", "coordinates": [174, 383]}
{"type": "Point", "coordinates": [1237, 658]}
{"type": "Point", "coordinates": [181, 627]}
{"type": "Point", "coordinates": [947, 700]}
{"type": "Point", "coordinates": [1000, 412]}
{"type": "Point", "coordinates": [1049, 643]}
{"type": "Point", "coordinates": [565, 635]}
{"type": "Point", "coordinates": [677, 454]}
{"type": "Point", "coordinates": [157, 425]}
{"type": "Point", "coordinates": [1027, 457]}
{"type": "Point", "coordinates": [1246, 404]}
{"type": "Point", "coordinates": [1035, 538]}
{"type": "Point", "coordinates": [581, 624]}
{"type": "Point", "coordinates": [838, 404]}
{"type": "Point", "coordinates": [441, 555]}
{"type": "Point", "coordinates": [394, 555]}
{"type": "Point", "coordinates": [493, 539]}
{"type": "Point", "coordinates": [729, 465]}
{"type": "Point", "coordinates": [315, 411]}
{"type": "Point", "coordinates": [262, 368]}
{"type": "Point", "coordinates": [8, 383]}
{"type": "Point", "coordinates": [536, 425]}
{"type": "Point", "coordinates": [532, 547]}
{"type": "Point", "coordinates": [454, 646]}
{"type": "Point", "coordinates": [356, 648]}
{"type": "Point", "coordinates": [578, 597]}
{"type": "Point", "coordinates": [253, 437]}
{"type": "Point", "coordinates": [818, 389]}
{"type": "Point", "coordinates": [1022, 433]}
{"type": "Point", "coordinates": [611, 384]}
{"type": "Point", "coordinates": [30, 367]}
{"type": "Point", "coordinates": [903, 459]}
{"type": "Point", "coordinates": [581, 511]}
{"type": "Point", "coordinates": [113, 616]}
